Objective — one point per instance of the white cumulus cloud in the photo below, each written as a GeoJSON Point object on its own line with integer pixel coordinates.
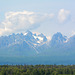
{"type": "Point", "coordinates": [20, 21]}
{"type": "Point", "coordinates": [63, 15]}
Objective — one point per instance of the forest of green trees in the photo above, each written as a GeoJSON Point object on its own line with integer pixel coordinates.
{"type": "Point", "coordinates": [37, 70]}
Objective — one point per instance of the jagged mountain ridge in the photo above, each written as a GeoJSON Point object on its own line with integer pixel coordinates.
{"type": "Point", "coordinates": [34, 40]}
{"type": "Point", "coordinates": [19, 38]}
{"type": "Point", "coordinates": [25, 43]}
{"type": "Point", "coordinates": [28, 47]}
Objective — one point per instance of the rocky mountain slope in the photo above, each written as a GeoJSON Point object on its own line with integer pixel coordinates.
{"type": "Point", "coordinates": [29, 48]}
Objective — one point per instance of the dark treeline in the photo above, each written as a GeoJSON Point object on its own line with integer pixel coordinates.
{"type": "Point", "coordinates": [37, 70]}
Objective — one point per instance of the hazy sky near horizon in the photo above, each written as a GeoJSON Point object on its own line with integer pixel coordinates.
{"type": "Point", "coordinates": [43, 16]}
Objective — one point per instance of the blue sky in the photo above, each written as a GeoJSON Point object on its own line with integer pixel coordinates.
{"type": "Point", "coordinates": [44, 16]}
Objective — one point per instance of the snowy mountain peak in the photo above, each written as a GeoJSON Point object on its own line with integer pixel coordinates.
{"type": "Point", "coordinates": [57, 39]}
{"type": "Point", "coordinates": [59, 36]}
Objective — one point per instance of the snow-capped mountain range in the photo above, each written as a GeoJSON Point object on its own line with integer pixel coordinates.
{"type": "Point", "coordinates": [28, 37]}
{"type": "Point", "coordinates": [37, 46]}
